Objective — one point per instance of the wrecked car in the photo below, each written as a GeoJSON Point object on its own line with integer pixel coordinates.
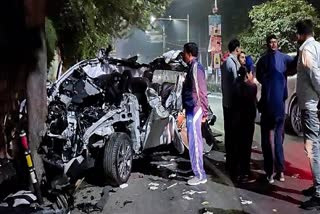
{"type": "Point", "coordinates": [104, 112]}
{"type": "Point", "coordinates": [108, 108]}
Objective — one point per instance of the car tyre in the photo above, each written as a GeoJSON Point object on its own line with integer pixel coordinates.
{"type": "Point", "coordinates": [295, 119]}
{"type": "Point", "coordinates": [117, 161]}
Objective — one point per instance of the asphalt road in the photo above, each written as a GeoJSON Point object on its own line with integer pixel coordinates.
{"type": "Point", "coordinates": [218, 195]}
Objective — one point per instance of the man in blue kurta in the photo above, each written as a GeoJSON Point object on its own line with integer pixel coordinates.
{"type": "Point", "coordinates": [271, 73]}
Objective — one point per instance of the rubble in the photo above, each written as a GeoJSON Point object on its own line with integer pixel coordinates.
{"type": "Point", "coordinates": [205, 203]}
{"type": "Point", "coordinates": [126, 203]}
{"type": "Point", "coordinates": [172, 175]}
{"type": "Point", "coordinates": [105, 196]}
{"type": "Point", "coordinates": [192, 192]}
{"type": "Point", "coordinates": [169, 187]}
{"type": "Point", "coordinates": [123, 186]}
{"type": "Point", "coordinates": [245, 202]}
{"type": "Point", "coordinates": [186, 197]}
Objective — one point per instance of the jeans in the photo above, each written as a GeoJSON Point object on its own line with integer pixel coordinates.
{"type": "Point", "coordinates": [275, 125]}
{"type": "Point", "coordinates": [311, 130]}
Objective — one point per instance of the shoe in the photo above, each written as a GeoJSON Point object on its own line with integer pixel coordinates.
{"type": "Point", "coordinates": [196, 181]}
{"type": "Point", "coordinates": [281, 177]}
{"type": "Point", "coordinates": [309, 192]}
{"type": "Point", "coordinates": [312, 204]}
{"type": "Point", "coordinates": [270, 179]}
{"type": "Point", "coordinates": [247, 179]}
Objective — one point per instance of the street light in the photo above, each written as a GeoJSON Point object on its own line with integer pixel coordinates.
{"type": "Point", "coordinates": [153, 19]}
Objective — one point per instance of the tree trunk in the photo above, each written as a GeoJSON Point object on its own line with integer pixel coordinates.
{"type": "Point", "coordinates": [37, 103]}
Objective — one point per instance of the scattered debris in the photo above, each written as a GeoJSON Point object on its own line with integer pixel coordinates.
{"type": "Point", "coordinates": [172, 160]}
{"type": "Point", "coordinates": [153, 188]}
{"type": "Point", "coordinates": [186, 197]}
{"type": "Point", "coordinates": [105, 196]}
{"type": "Point", "coordinates": [123, 186]}
{"type": "Point", "coordinates": [295, 176]}
{"type": "Point", "coordinates": [192, 192]}
{"type": "Point", "coordinates": [87, 207]}
{"type": "Point", "coordinates": [245, 202]}
{"type": "Point", "coordinates": [175, 184]}
{"type": "Point", "coordinates": [205, 203]}
{"type": "Point", "coordinates": [127, 202]}
{"type": "Point", "coordinates": [165, 165]}
{"type": "Point", "coordinates": [274, 210]}
{"type": "Point", "coordinates": [173, 175]}
{"type": "Point", "coordinates": [19, 198]}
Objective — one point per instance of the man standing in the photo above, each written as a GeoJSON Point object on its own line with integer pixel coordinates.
{"type": "Point", "coordinates": [271, 73]}
{"type": "Point", "coordinates": [229, 71]}
{"type": "Point", "coordinates": [195, 103]}
{"type": "Point", "coordinates": [308, 92]}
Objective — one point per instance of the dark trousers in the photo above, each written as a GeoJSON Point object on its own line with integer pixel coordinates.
{"type": "Point", "coordinates": [275, 125]}
{"type": "Point", "coordinates": [246, 131]}
{"type": "Point", "coordinates": [227, 116]}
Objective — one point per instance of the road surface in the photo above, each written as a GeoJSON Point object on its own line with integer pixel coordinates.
{"type": "Point", "coordinates": [218, 195]}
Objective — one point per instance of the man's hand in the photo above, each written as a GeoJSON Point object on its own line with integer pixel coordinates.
{"type": "Point", "coordinates": [204, 119]}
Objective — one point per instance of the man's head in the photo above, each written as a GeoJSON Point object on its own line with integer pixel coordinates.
{"type": "Point", "coordinates": [190, 51]}
{"type": "Point", "coordinates": [234, 47]}
{"type": "Point", "coordinates": [242, 58]}
{"type": "Point", "coordinates": [272, 42]}
{"type": "Point", "coordinates": [304, 30]}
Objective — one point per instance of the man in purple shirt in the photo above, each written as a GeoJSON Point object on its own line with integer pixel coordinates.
{"type": "Point", "coordinates": [195, 103]}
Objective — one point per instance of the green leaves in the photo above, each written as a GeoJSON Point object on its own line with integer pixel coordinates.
{"type": "Point", "coordinates": [83, 26]}
{"type": "Point", "coordinates": [277, 17]}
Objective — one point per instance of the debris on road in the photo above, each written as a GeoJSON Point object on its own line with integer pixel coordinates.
{"type": "Point", "coordinates": [153, 188]}
{"type": "Point", "coordinates": [154, 184]}
{"type": "Point", "coordinates": [245, 202]}
{"type": "Point", "coordinates": [175, 184]}
{"type": "Point", "coordinates": [173, 175]}
{"type": "Point", "coordinates": [126, 202]}
{"type": "Point", "coordinates": [295, 176]}
{"type": "Point", "coordinates": [205, 203]}
{"type": "Point", "coordinates": [87, 207]}
{"type": "Point", "coordinates": [105, 196]}
{"type": "Point", "coordinates": [192, 192]}
{"type": "Point", "coordinates": [186, 197]}
{"type": "Point", "coordinates": [123, 186]}
{"type": "Point", "coordinates": [165, 165]}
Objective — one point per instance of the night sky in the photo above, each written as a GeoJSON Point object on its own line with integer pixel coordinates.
{"type": "Point", "coordinates": [234, 20]}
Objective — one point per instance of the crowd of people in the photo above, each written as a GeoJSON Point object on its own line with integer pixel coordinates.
{"type": "Point", "coordinates": [240, 104]}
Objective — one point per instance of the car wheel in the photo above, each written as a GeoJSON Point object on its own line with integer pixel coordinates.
{"type": "Point", "coordinates": [118, 154]}
{"type": "Point", "coordinates": [295, 119]}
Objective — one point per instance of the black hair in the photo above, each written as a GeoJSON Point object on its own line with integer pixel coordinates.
{"type": "Point", "coordinates": [243, 71]}
{"type": "Point", "coordinates": [304, 27]}
{"type": "Point", "coordinates": [191, 48]}
{"type": "Point", "coordinates": [270, 37]}
{"type": "Point", "coordinates": [233, 45]}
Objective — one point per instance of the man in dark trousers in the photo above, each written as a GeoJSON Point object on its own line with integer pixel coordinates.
{"type": "Point", "coordinates": [195, 101]}
{"type": "Point", "coordinates": [244, 113]}
{"type": "Point", "coordinates": [229, 71]}
{"type": "Point", "coordinates": [271, 73]}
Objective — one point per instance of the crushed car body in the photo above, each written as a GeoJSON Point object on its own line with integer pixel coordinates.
{"type": "Point", "coordinates": [108, 111]}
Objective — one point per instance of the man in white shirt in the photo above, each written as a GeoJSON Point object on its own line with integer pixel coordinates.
{"type": "Point", "coordinates": [308, 93]}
